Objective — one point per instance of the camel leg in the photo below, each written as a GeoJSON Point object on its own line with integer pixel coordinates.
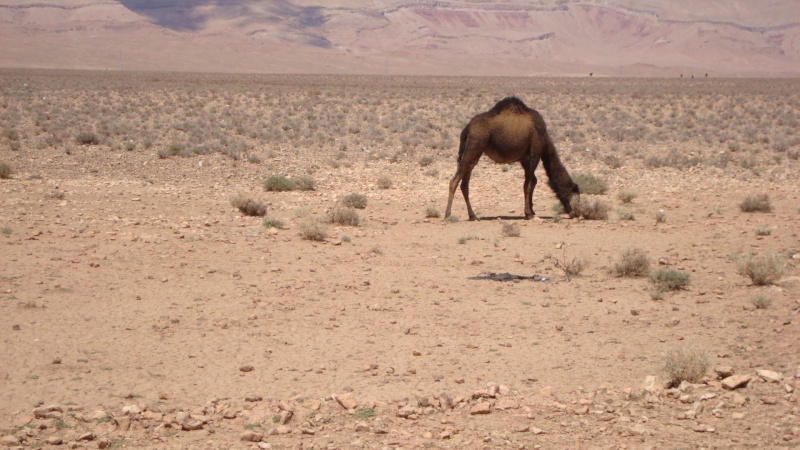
{"type": "Point", "coordinates": [453, 186]}
{"type": "Point", "coordinates": [530, 184]}
{"type": "Point", "coordinates": [465, 191]}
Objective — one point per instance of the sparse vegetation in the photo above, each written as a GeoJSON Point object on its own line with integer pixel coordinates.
{"type": "Point", "coordinates": [762, 270]}
{"type": "Point", "coordinates": [271, 222]}
{"type": "Point", "coordinates": [365, 413]}
{"type": "Point", "coordinates": [627, 196]}
{"type": "Point", "coordinates": [763, 231]}
{"type": "Point", "coordinates": [634, 263]}
{"type": "Point", "coordinates": [304, 183]}
{"type": "Point", "coordinates": [590, 184]}
{"type": "Point", "coordinates": [511, 230]}
{"type": "Point", "coordinates": [279, 183]}
{"type": "Point", "coordinates": [249, 206]}
{"type": "Point", "coordinates": [756, 203]}
{"type": "Point", "coordinates": [590, 209]}
{"type": "Point", "coordinates": [570, 266]}
{"type": "Point", "coordinates": [684, 364]}
{"type": "Point", "coordinates": [344, 215]}
{"type": "Point", "coordinates": [432, 212]}
{"type": "Point", "coordinates": [625, 214]}
{"type": "Point", "coordinates": [5, 171]}
{"type": "Point", "coordinates": [761, 302]}
{"type": "Point", "coordinates": [384, 182]}
{"type": "Point", "coordinates": [311, 230]}
{"type": "Point", "coordinates": [87, 138]}
{"type": "Point", "coordinates": [358, 201]}
{"type": "Point", "coordinates": [669, 280]}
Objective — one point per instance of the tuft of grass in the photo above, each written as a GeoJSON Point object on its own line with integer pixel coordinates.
{"type": "Point", "coordinates": [669, 280]}
{"type": "Point", "coordinates": [5, 171]}
{"type": "Point", "coordinates": [384, 182]}
{"type": "Point", "coordinates": [464, 239]}
{"type": "Point", "coordinates": [634, 263]}
{"type": "Point", "coordinates": [271, 222]}
{"type": "Point", "coordinates": [426, 161]}
{"type": "Point", "coordinates": [763, 231]}
{"type": "Point", "coordinates": [311, 230]}
{"type": "Point", "coordinates": [452, 219]}
{"type": "Point", "coordinates": [249, 206]}
{"type": "Point", "coordinates": [761, 302]}
{"type": "Point", "coordinates": [304, 183]}
{"type": "Point", "coordinates": [279, 183]}
{"type": "Point", "coordinates": [7, 230]}
{"type": "Point", "coordinates": [365, 413]}
{"type": "Point", "coordinates": [762, 270]}
{"type": "Point", "coordinates": [590, 209]}
{"type": "Point", "coordinates": [358, 201]}
{"type": "Point", "coordinates": [344, 215]}
{"type": "Point", "coordinates": [756, 203]}
{"type": "Point", "coordinates": [432, 212]}
{"type": "Point", "coordinates": [590, 184]}
{"type": "Point", "coordinates": [656, 294]}
{"type": "Point", "coordinates": [511, 230]}
{"type": "Point", "coordinates": [684, 364]}
{"type": "Point", "coordinates": [570, 267]}
{"type": "Point", "coordinates": [627, 196]}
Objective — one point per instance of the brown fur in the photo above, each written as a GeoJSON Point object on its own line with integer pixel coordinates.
{"type": "Point", "coordinates": [511, 132]}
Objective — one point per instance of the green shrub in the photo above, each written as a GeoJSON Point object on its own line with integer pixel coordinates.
{"type": "Point", "coordinates": [756, 203]}
{"type": "Point", "coordinates": [358, 201]}
{"type": "Point", "coordinates": [669, 280]}
{"type": "Point", "coordinates": [762, 270]}
{"type": "Point", "coordinates": [590, 184]}
{"type": "Point", "coordinates": [278, 183]}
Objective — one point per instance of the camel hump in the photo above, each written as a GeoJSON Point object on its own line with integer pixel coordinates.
{"type": "Point", "coordinates": [510, 105]}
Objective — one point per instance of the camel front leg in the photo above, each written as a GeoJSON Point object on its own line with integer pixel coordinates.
{"type": "Point", "coordinates": [528, 187]}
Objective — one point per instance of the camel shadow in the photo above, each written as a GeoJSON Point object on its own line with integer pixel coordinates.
{"type": "Point", "coordinates": [512, 218]}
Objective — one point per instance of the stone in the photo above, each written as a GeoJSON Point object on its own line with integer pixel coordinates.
{"type": "Point", "coordinates": [445, 401]}
{"type": "Point", "coordinates": [506, 403]}
{"type": "Point", "coordinates": [190, 424]}
{"type": "Point", "coordinates": [723, 371]}
{"type": "Point", "coordinates": [54, 440]}
{"type": "Point", "coordinates": [251, 436]}
{"type": "Point", "coordinates": [247, 368]}
{"type": "Point", "coordinates": [48, 412]}
{"type": "Point", "coordinates": [285, 417]}
{"type": "Point", "coordinates": [481, 408]}
{"type": "Point", "coordinates": [446, 434]}
{"type": "Point", "coordinates": [770, 376]}
{"type": "Point", "coordinates": [406, 411]}
{"type": "Point", "coordinates": [131, 410]}
{"type": "Point", "coordinates": [103, 443]}
{"type": "Point", "coordinates": [123, 423]}
{"type": "Point", "coordinates": [361, 426]}
{"type": "Point", "coordinates": [86, 437]}
{"type": "Point", "coordinates": [347, 400]}
{"type": "Point", "coordinates": [253, 398]}
{"type": "Point", "coordinates": [735, 381]}
{"type": "Point", "coordinates": [739, 400]}
{"type": "Point", "coordinates": [9, 441]}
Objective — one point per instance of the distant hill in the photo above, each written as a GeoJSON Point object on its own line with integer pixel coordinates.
{"type": "Point", "coordinates": [471, 37]}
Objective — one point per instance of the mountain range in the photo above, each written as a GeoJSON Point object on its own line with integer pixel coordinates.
{"type": "Point", "coordinates": [692, 38]}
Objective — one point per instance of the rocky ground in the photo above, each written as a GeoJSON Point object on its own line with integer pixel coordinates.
{"type": "Point", "coordinates": [140, 309]}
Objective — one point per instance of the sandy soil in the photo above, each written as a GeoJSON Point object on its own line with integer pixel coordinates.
{"type": "Point", "coordinates": [150, 313]}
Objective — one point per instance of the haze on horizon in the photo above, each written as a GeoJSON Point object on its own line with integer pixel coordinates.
{"type": "Point", "coordinates": [503, 37]}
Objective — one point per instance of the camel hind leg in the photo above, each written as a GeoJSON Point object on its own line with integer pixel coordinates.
{"type": "Point", "coordinates": [529, 165]}
{"type": "Point", "coordinates": [462, 176]}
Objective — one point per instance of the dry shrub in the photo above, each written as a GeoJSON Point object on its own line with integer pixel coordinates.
{"type": "Point", "coordinates": [669, 280]}
{"type": "Point", "coordinates": [304, 183]}
{"type": "Point", "coordinates": [590, 209]}
{"type": "Point", "coordinates": [570, 266]}
{"type": "Point", "coordinates": [511, 230]}
{"type": "Point", "coordinates": [279, 183]}
{"type": "Point", "coordinates": [344, 215]}
{"type": "Point", "coordinates": [384, 182]}
{"type": "Point", "coordinates": [684, 364]}
{"type": "Point", "coordinates": [311, 230]}
{"type": "Point", "coordinates": [249, 206]}
{"type": "Point", "coordinates": [627, 196]}
{"type": "Point", "coordinates": [432, 212]}
{"type": "Point", "coordinates": [634, 263]}
{"type": "Point", "coordinates": [762, 270]}
{"type": "Point", "coordinates": [358, 201]}
{"type": "Point", "coordinates": [5, 171]}
{"type": "Point", "coordinates": [756, 203]}
{"type": "Point", "coordinates": [590, 184]}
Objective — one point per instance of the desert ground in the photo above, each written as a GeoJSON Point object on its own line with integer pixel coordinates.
{"type": "Point", "coordinates": [141, 308]}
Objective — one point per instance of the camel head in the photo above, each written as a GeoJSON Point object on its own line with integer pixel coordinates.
{"type": "Point", "coordinates": [569, 199]}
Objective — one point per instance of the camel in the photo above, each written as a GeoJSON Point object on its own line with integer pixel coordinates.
{"type": "Point", "coordinates": [511, 132]}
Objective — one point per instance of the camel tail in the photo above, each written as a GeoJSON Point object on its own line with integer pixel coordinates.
{"type": "Point", "coordinates": [463, 142]}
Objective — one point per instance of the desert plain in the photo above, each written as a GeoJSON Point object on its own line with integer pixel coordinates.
{"type": "Point", "coordinates": [139, 308]}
